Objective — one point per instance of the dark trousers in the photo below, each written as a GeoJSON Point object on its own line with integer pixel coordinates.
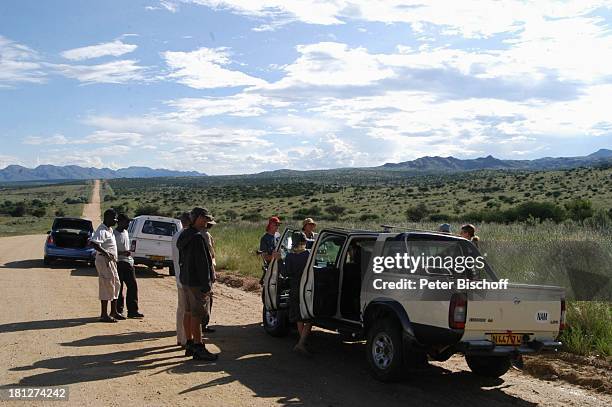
{"type": "Point", "coordinates": [127, 276]}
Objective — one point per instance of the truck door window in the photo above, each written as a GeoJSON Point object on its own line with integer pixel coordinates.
{"type": "Point", "coordinates": [328, 251]}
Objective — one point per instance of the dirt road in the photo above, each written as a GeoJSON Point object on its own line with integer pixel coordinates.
{"type": "Point", "coordinates": [91, 210]}
{"type": "Point", "coordinates": [49, 336]}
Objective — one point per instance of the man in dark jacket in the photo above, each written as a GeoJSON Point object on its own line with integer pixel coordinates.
{"type": "Point", "coordinates": [196, 266]}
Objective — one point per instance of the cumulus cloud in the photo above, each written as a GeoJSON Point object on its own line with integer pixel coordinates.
{"type": "Point", "coordinates": [115, 49]}
{"type": "Point", "coordinates": [205, 68]}
{"type": "Point", "coordinates": [19, 64]}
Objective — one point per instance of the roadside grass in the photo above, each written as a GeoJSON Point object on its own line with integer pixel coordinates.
{"type": "Point", "coordinates": [589, 330]}
{"type": "Point", "coordinates": [51, 200]}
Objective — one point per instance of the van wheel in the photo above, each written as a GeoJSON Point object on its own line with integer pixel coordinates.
{"type": "Point", "coordinates": [171, 270]}
{"type": "Point", "coordinates": [384, 350]}
{"type": "Point", "coordinates": [488, 366]}
{"type": "Point", "coordinates": [276, 323]}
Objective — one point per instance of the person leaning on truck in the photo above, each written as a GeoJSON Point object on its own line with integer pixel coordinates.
{"type": "Point", "coordinates": [268, 242]}
{"type": "Point", "coordinates": [295, 262]}
{"type": "Point", "coordinates": [195, 263]}
{"type": "Point", "coordinates": [308, 227]}
{"type": "Point", "coordinates": [125, 269]}
{"type": "Point", "coordinates": [103, 240]}
{"type": "Point", "coordinates": [183, 319]}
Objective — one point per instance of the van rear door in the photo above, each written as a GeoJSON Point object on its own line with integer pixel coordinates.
{"type": "Point", "coordinates": [154, 239]}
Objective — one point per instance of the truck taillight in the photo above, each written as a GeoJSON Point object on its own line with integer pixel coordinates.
{"type": "Point", "coordinates": [457, 312]}
{"type": "Point", "coordinates": [50, 239]}
{"type": "Point", "coordinates": [562, 318]}
{"type": "Point", "coordinates": [133, 246]}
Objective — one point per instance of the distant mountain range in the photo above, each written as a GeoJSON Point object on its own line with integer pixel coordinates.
{"type": "Point", "coordinates": [74, 172]}
{"type": "Point", "coordinates": [420, 165]}
{"type": "Point", "coordinates": [437, 164]}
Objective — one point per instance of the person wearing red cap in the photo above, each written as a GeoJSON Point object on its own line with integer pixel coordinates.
{"type": "Point", "coordinates": [268, 242]}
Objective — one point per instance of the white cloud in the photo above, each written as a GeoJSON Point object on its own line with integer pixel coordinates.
{"type": "Point", "coordinates": [241, 104]}
{"type": "Point", "coordinates": [204, 69]}
{"type": "Point", "coordinates": [56, 139]}
{"type": "Point", "coordinates": [111, 72]}
{"type": "Point", "coordinates": [6, 160]}
{"type": "Point", "coordinates": [18, 63]}
{"type": "Point", "coordinates": [164, 5]}
{"type": "Point", "coordinates": [115, 49]}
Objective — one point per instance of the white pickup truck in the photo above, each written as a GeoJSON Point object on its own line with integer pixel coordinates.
{"type": "Point", "coordinates": [341, 291]}
{"type": "Point", "coordinates": [151, 239]}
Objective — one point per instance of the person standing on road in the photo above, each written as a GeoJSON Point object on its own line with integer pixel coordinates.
{"type": "Point", "coordinates": [183, 318]}
{"type": "Point", "coordinates": [308, 227]}
{"type": "Point", "coordinates": [268, 242]}
{"type": "Point", "coordinates": [295, 262]}
{"type": "Point", "coordinates": [196, 267]}
{"type": "Point", "coordinates": [213, 276]}
{"type": "Point", "coordinates": [103, 240]}
{"type": "Point", "coordinates": [125, 268]}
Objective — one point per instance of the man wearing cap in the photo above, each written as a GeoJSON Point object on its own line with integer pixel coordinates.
{"type": "Point", "coordinates": [103, 240]}
{"type": "Point", "coordinates": [195, 264]}
{"type": "Point", "coordinates": [445, 228]}
{"type": "Point", "coordinates": [125, 269]}
{"type": "Point", "coordinates": [308, 227]}
{"type": "Point", "coordinates": [268, 242]}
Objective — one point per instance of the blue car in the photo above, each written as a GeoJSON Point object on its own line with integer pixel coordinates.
{"type": "Point", "coordinates": [69, 239]}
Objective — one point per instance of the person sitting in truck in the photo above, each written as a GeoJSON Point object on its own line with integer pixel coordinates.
{"type": "Point", "coordinates": [295, 262]}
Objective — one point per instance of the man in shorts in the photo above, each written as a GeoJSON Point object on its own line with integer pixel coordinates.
{"type": "Point", "coordinates": [104, 242]}
{"type": "Point", "coordinates": [196, 268]}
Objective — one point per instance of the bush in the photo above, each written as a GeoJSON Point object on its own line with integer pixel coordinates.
{"type": "Point", "coordinates": [440, 217]}
{"type": "Point", "coordinates": [417, 213]}
{"type": "Point", "coordinates": [579, 209]}
{"type": "Point", "coordinates": [336, 211]}
{"type": "Point", "coordinates": [39, 212]}
{"type": "Point", "coordinates": [302, 213]}
{"type": "Point", "coordinates": [231, 214]}
{"type": "Point", "coordinates": [252, 217]}
{"type": "Point", "coordinates": [60, 213]}
{"type": "Point", "coordinates": [368, 216]}
{"type": "Point", "coordinates": [18, 210]}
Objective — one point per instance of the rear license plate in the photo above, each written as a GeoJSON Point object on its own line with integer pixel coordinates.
{"type": "Point", "coordinates": [157, 258]}
{"type": "Point", "coordinates": [507, 339]}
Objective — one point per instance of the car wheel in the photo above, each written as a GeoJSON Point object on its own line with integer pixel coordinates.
{"type": "Point", "coordinates": [276, 323]}
{"type": "Point", "coordinates": [384, 350]}
{"type": "Point", "coordinates": [488, 366]}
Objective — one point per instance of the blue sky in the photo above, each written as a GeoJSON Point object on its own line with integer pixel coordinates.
{"type": "Point", "coordinates": [235, 86]}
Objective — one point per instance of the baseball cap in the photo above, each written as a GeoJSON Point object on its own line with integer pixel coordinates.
{"type": "Point", "coordinates": [211, 220]}
{"type": "Point", "coordinates": [197, 212]}
{"type": "Point", "coordinates": [444, 228]}
{"type": "Point", "coordinates": [274, 219]}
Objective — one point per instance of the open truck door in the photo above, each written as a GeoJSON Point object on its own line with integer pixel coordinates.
{"type": "Point", "coordinates": [271, 295]}
{"type": "Point", "coordinates": [320, 282]}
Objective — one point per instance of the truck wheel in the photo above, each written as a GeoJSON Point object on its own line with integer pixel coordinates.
{"type": "Point", "coordinates": [171, 270]}
{"type": "Point", "coordinates": [384, 350]}
{"type": "Point", "coordinates": [488, 366]}
{"type": "Point", "coordinates": [276, 323]}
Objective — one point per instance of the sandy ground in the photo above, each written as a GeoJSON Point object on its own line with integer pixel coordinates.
{"type": "Point", "coordinates": [49, 336]}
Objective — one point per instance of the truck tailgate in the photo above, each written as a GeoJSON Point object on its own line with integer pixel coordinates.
{"type": "Point", "coordinates": [153, 247]}
{"type": "Point", "coordinates": [522, 308]}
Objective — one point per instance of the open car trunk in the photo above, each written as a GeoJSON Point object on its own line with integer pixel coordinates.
{"type": "Point", "coordinates": [73, 239]}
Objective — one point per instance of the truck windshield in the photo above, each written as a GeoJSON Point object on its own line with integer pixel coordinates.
{"type": "Point", "coordinates": [72, 224]}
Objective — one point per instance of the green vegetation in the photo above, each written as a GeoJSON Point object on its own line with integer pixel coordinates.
{"type": "Point", "coordinates": [27, 208]}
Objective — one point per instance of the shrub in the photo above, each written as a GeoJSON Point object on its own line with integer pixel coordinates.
{"type": "Point", "coordinates": [147, 209]}
{"type": "Point", "coordinates": [417, 213]}
{"type": "Point", "coordinates": [39, 212]}
{"type": "Point", "coordinates": [335, 211]}
{"type": "Point", "coordinates": [579, 209]}
{"type": "Point", "coordinates": [368, 216]}
{"type": "Point", "coordinates": [19, 210]}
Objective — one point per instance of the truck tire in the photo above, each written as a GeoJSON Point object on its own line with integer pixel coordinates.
{"type": "Point", "coordinates": [384, 350]}
{"type": "Point", "coordinates": [488, 366]}
{"type": "Point", "coordinates": [171, 270]}
{"type": "Point", "coordinates": [275, 323]}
